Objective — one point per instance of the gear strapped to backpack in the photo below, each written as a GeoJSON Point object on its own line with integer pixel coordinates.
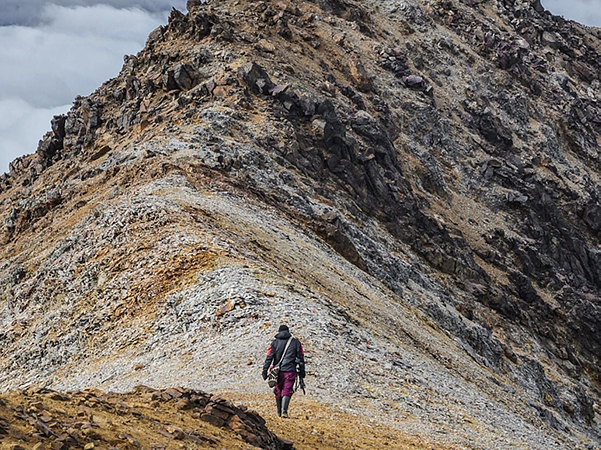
{"type": "Point", "coordinates": [274, 372]}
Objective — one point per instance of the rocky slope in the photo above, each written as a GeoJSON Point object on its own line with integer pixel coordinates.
{"type": "Point", "coordinates": [412, 185]}
{"type": "Point", "coordinates": [147, 418]}
{"type": "Point", "coordinates": [174, 419]}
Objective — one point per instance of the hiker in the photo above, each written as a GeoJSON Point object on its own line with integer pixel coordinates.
{"type": "Point", "coordinates": [287, 352]}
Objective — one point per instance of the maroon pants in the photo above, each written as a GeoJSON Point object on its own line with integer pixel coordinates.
{"type": "Point", "coordinates": [285, 386]}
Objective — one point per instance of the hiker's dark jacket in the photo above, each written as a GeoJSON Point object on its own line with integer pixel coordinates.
{"type": "Point", "coordinates": [295, 355]}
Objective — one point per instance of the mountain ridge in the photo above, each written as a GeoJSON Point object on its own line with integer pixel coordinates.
{"type": "Point", "coordinates": [424, 175]}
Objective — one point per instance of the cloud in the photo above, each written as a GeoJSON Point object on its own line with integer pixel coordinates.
{"type": "Point", "coordinates": [72, 52]}
{"type": "Point", "coordinates": [31, 12]}
{"type": "Point", "coordinates": [75, 52]}
{"type": "Point", "coordinates": [587, 12]}
{"type": "Point", "coordinates": [21, 126]}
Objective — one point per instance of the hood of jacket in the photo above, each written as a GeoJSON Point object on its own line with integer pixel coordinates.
{"type": "Point", "coordinates": [283, 335]}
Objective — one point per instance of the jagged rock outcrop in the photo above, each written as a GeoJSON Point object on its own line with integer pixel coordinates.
{"type": "Point", "coordinates": [418, 180]}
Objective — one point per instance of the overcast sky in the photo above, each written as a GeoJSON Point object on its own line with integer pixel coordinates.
{"type": "Point", "coordinates": [583, 11]}
{"type": "Point", "coordinates": [53, 50]}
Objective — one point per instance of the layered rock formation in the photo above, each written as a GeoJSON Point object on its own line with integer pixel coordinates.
{"type": "Point", "coordinates": [417, 181]}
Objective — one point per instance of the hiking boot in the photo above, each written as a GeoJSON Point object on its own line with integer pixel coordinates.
{"type": "Point", "coordinates": [278, 402]}
{"type": "Point", "coordinates": [285, 404]}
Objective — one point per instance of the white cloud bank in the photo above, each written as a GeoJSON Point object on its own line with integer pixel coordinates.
{"type": "Point", "coordinates": [71, 52]}
{"type": "Point", "coordinates": [587, 12]}
{"type": "Point", "coordinates": [21, 126]}
{"type": "Point", "coordinates": [31, 12]}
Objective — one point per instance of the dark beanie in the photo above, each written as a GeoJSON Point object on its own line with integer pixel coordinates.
{"type": "Point", "coordinates": [283, 328]}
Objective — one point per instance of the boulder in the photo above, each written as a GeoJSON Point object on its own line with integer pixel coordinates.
{"type": "Point", "coordinates": [265, 46]}
{"type": "Point", "coordinates": [550, 39]}
{"type": "Point", "coordinates": [492, 129]}
{"type": "Point", "coordinates": [414, 81]}
{"type": "Point", "coordinates": [155, 35]}
{"type": "Point", "coordinates": [283, 29]}
{"type": "Point", "coordinates": [48, 146]}
{"type": "Point", "coordinates": [256, 78]}
{"type": "Point", "coordinates": [169, 81]}
{"type": "Point", "coordinates": [191, 5]}
{"type": "Point", "coordinates": [185, 76]}
{"type": "Point", "coordinates": [359, 75]}
{"type": "Point", "coordinates": [394, 60]}
{"type": "Point", "coordinates": [58, 126]}
{"type": "Point", "coordinates": [538, 7]}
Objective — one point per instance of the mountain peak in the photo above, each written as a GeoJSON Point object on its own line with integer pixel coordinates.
{"type": "Point", "coordinates": [413, 185]}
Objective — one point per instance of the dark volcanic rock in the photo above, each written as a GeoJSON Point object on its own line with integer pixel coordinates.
{"type": "Point", "coordinates": [256, 78]}
{"type": "Point", "coordinates": [185, 76]}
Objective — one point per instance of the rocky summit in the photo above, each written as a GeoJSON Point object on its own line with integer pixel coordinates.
{"type": "Point", "coordinates": [413, 186]}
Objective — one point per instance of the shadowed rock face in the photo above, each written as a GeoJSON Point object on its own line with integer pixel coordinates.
{"type": "Point", "coordinates": [447, 151]}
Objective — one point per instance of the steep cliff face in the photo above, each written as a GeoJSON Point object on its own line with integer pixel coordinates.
{"type": "Point", "coordinates": [414, 186]}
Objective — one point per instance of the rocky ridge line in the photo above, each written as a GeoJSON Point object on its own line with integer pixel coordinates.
{"type": "Point", "coordinates": [451, 153]}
